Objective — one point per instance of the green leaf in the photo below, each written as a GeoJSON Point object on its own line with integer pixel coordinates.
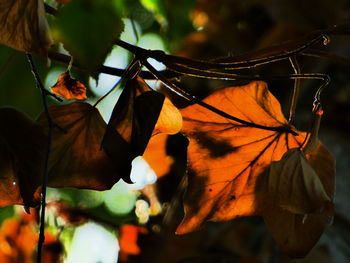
{"type": "Point", "coordinates": [88, 29]}
{"type": "Point", "coordinates": [158, 10]}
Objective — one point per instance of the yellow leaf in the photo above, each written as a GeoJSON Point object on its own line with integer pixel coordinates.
{"type": "Point", "coordinates": [169, 120]}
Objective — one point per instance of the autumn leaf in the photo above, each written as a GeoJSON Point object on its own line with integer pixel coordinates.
{"type": "Point", "coordinates": [291, 179]}
{"type": "Point", "coordinates": [18, 239]}
{"type": "Point", "coordinates": [170, 119]}
{"type": "Point", "coordinates": [128, 241]}
{"type": "Point", "coordinates": [23, 26]}
{"type": "Point", "coordinates": [77, 158]}
{"type": "Point", "coordinates": [229, 161]}
{"type": "Point", "coordinates": [156, 155]}
{"type": "Point", "coordinates": [298, 226]}
{"type": "Point", "coordinates": [69, 88]}
{"type": "Point", "coordinates": [131, 124]}
{"type": "Point", "coordinates": [22, 152]}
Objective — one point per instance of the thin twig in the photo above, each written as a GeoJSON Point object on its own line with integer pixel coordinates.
{"type": "Point", "coordinates": [108, 70]}
{"type": "Point", "coordinates": [296, 88]}
{"type": "Point", "coordinates": [44, 94]}
{"type": "Point", "coordinates": [125, 73]}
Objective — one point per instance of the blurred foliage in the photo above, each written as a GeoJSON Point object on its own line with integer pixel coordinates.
{"type": "Point", "coordinates": [76, 28]}
{"type": "Point", "coordinates": [202, 29]}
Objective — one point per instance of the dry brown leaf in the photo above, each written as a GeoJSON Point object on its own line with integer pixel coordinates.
{"type": "Point", "coordinates": [297, 233]}
{"type": "Point", "coordinates": [131, 124]}
{"type": "Point", "coordinates": [22, 152]}
{"type": "Point", "coordinates": [77, 158]}
{"type": "Point", "coordinates": [69, 88]}
{"type": "Point", "coordinates": [291, 180]}
{"type": "Point", "coordinates": [23, 26]}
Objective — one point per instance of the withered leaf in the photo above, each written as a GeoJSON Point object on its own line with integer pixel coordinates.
{"type": "Point", "coordinates": [77, 158]}
{"type": "Point", "coordinates": [131, 124]}
{"type": "Point", "coordinates": [69, 88]}
{"type": "Point", "coordinates": [228, 161]}
{"type": "Point", "coordinates": [297, 233]}
{"type": "Point", "coordinates": [22, 153]}
{"type": "Point", "coordinates": [291, 179]}
{"type": "Point", "coordinates": [23, 26]}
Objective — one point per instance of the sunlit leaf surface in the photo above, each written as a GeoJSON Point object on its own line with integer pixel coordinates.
{"type": "Point", "coordinates": [229, 162]}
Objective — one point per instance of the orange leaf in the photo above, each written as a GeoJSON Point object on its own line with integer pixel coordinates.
{"type": "Point", "coordinates": [170, 119]}
{"type": "Point", "coordinates": [228, 161]}
{"type": "Point", "coordinates": [77, 158]}
{"type": "Point", "coordinates": [128, 240]}
{"type": "Point", "coordinates": [69, 88]}
{"type": "Point", "coordinates": [156, 155]}
{"type": "Point", "coordinates": [23, 26]}
{"type": "Point", "coordinates": [17, 239]}
{"type": "Point", "coordinates": [22, 153]}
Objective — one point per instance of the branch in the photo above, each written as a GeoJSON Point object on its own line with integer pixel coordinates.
{"type": "Point", "coordinates": [44, 94]}
{"type": "Point", "coordinates": [109, 70]}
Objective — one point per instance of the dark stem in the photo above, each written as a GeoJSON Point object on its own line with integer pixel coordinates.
{"type": "Point", "coordinates": [44, 94]}
{"type": "Point", "coordinates": [109, 70]}
{"type": "Point", "coordinates": [229, 63]}
{"type": "Point", "coordinates": [193, 99]}
{"type": "Point", "coordinates": [296, 89]}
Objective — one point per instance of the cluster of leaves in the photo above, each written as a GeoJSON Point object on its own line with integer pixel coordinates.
{"type": "Point", "coordinates": [244, 157]}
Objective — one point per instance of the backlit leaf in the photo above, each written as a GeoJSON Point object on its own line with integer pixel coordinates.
{"type": "Point", "coordinates": [229, 161]}
{"type": "Point", "coordinates": [69, 88]}
{"type": "Point", "coordinates": [77, 158]}
{"type": "Point", "coordinates": [23, 26]}
{"type": "Point", "coordinates": [22, 153]}
{"type": "Point", "coordinates": [131, 125]}
{"type": "Point", "coordinates": [156, 155]}
{"type": "Point", "coordinates": [170, 119]}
